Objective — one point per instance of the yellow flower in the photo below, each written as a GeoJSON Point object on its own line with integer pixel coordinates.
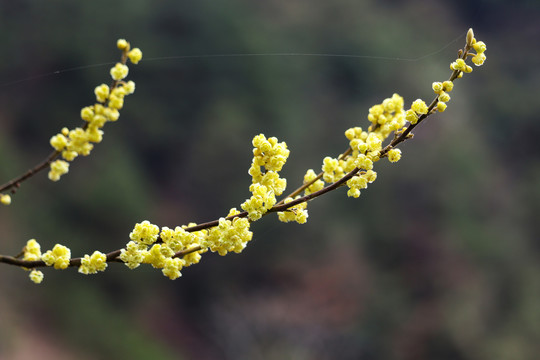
{"type": "Point", "coordinates": [5, 199]}
{"type": "Point", "coordinates": [135, 55]}
{"type": "Point", "coordinates": [59, 142]}
{"type": "Point", "coordinates": [480, 47]}
{"type": "Point", "coordinates": [69, 155]}
{"type": "Point", "coordinates": [59, 256]}
{"type": "Point", "coordinates": [93, 264]}
{"type": "Point", "coordinates": [172, 267]}
{"type": "Point", "coordinates": [479, 59]}
{"type": "Point", "coordinates": [419, 107]}
{"type": "Point", "coordinates": [122, 44]}
{"type": "Point", "coordinates": [102, 93]}
{"type": "Point", "coordinates": [394, 155]}
{"type": "Point", "coordinates": [144, 233]}
{"type": "Point", "coordinates": [130, 87]}
{"type": "Point", "coordinates": [32, 250]}
{"type": "Point", "coordinates": [36, 276]}
{"type": "Point", "coordinates": [437, 87]}
{"type": "Point", "coordinates": [296, 213]}
{"type": "Point", "coordinates": [441, 106]}
{"type": "Point", "coordinates": [448, 86]}
{"type": "Point", "coordinates": [444, 97]}
{"type": "Point", "coordinates": [132, 255]}
{"type": "Point", "coordinates": [411, 116]}
{"type": "Point", "coordinates": [58, 168]}
{"type": "Point", "coordinates": [459, 64]}
{"type": "Point", "coordinates": [119, 71]}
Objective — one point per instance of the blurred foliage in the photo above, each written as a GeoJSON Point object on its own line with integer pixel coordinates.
{"type": "Point", "coordinates": [438, 259]}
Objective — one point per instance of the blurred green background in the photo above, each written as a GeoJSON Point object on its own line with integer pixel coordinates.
{"type": "Point", "coordinates": [438, 259]}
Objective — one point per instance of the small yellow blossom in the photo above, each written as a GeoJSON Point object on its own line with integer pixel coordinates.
{"type": "Point", "coordinates": [93, 264]}
{"type": "Point", "coordinates": [394, 155]}
{"type": "Point", "coordinates": [297, 213]}
{"type": "Point", "coordinates": [419, 106]}
{"type": "Point", "coordinates": [355, 184]}
{"type": "Point", "coordinates": [130, 87]}
{"type": "Point", "coordinates": [69, 155]}
{"type": "Point", "coordinates": [157, 255]}
{"type": "Point", "coordinates": [59, 142]}
{"type": "Point", "coordinates": [364, 162]}
{"type": "Point", "coordinates": [119, 71]}
{"type": "Point", "coordinates": [444, 97]}
{"type": "Point", "coordinates": [459, 64]}
{"type": "Point", "coordinates": [192, 258]}
{"type": "Point", "coordinates": [172, 267]}
{"type": "Point", "coordinates": [132, 255]}
{"type": "Point", "coordinates": [441, 106]}
{"type": "Point", "coordinates": [373, 142]}
{"type": "Point", "coordinates": [135, 55]}
{"type": "Point", "coordinates": [144, 233]}
{"type": "Point", "coordinates": [111, 114]}
{"type": "Point", "coordinates": [316, 186]}
{"type": "Point", "coordinates": [448, 86]}
{"type": "Point", "coordinates": [480, 47]}
{"type": "Point", "coordinates": [58, 168]}
{"type": "Point", "coordinates": [479, 59]}
{"type": "Point", "coordinates": [122, 44]}
{"type": "Point", "coordinates": [370, 176]}
{"type": "Point", "coordinates": [5, 199]}
{"type": "Point", "coordinates": [59, 256]}
{"type": "Point", "coordinates": [102, 93]}
{"type": "Point", "coordinates": [411, 116]}
{"type": "Point", "coordinates": [36, 276]}
{"type": "Point", "coordinates": [32, 250]}
{"type": "Point", "coordinates": [437, 87]}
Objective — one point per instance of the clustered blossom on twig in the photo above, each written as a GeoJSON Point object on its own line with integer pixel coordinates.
{"type": "Point", "coordinates": [173, 249]}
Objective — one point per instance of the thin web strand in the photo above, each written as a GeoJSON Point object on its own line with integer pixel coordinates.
{"type": "Point", "coordinates": [238, 55]}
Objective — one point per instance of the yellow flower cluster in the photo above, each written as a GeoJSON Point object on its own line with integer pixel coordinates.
{"type": "Point", "coordinates": [387, 117]}
{"type": "Point", "coordinates": [296, 213]}
{"type": "Point", "coordinates": [478, 59]}
{"type": "Point", "coordinates": [163, 249]}
{"type": "Point", "coordinates": [32, 252]}
{"type": "Point", "coordinates": [316, 186]}
{"type": "Point", "coordinates": [229, 235]}
{"type": "Point", "coordinates": [144, 249]}
{"type": "Point", "coordinates": [269, 155]}
{"type": "Point", "coordinates": [93, 264]}
{"type": "Point", "coordinates": [442, 89]}
{"type": "Point", "coordinates": [173, 249]}
{"type": "Point", "coordinates": [80, 141]}
{"type": "Point", "coordinates": [58, 257]}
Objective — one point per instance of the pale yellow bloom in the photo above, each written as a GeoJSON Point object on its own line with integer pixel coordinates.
{"type": "Point", "coordinates": [93, 264]}
{"type": "Point", "coordinates": [36, 276]}
{"type": "Point", "coordinates": [135, 55]}
{"type": "Point", "coordinates": [419, 107]}
{"type": "Point", "coordinates": [59, 256]}
{"type": "Point", "coordinates": [394, 155]}
{"type": "Point", "coordinates": [122, 44]}
{"type": "Point", "coordinates": [102, 93]}
{"type": "Point", "coordinates": [58, 168]}
{"type": "Point", "coordinates": [32, 250]}
{"type": "Point", "coordinates": [119, 71]}
{"type": "Point", "coordinates": [5, 199]}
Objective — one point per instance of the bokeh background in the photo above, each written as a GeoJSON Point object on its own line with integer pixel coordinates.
{"type": "Point", "coordinates": [438, 259]}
